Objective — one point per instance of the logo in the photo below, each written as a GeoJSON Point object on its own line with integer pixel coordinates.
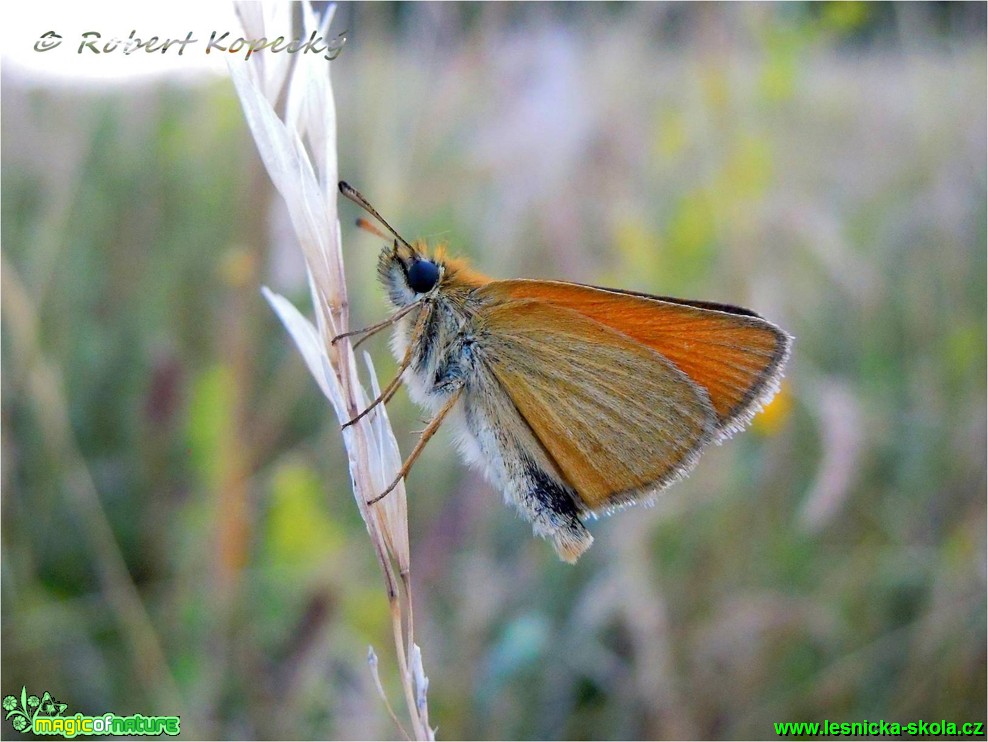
{"type": "Point", "coordinates": [45, 716]}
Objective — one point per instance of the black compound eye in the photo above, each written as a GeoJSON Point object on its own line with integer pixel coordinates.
{"type": "Point", "coordinates": [423, 275]}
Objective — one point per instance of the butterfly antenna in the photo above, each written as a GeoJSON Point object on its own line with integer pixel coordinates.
{"type": "Point", "coordinates": [370, 227]}
{"type": "Point", "coordinates": [354, 195]}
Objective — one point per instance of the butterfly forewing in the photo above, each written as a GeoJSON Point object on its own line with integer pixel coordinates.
{"type": "Point", "coordinates": [734, 354]}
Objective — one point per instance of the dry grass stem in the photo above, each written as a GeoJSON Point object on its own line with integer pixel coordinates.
{"type": "Point", "coordinates": [299, 151]}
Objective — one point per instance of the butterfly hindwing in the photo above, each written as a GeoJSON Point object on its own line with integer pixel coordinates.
{"type": "Point", "coordinates": [616, 418]}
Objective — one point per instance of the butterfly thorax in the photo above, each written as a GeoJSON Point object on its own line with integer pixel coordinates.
{"type": "Point", "coordinates": [443, 327]}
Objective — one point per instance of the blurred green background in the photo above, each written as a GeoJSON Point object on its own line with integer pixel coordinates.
{"type": "Point", "coordinates": [178, 530]}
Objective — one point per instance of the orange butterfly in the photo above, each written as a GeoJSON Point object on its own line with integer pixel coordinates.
{"type": "Point", "coordinates": [574, 399]}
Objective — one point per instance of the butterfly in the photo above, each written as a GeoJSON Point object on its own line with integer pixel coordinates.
{"type": "Point", "coordinates": [575, 400]}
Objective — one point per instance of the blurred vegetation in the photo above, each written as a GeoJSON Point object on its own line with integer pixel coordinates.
{"type": "Point", "coordinates": [178, 529]}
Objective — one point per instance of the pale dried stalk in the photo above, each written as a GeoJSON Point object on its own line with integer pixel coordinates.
{"type": "Point", "coordinates": [299, 153]}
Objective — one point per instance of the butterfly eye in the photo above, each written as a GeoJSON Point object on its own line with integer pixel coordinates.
{"type": "Point", "coordinates": [423, 275]}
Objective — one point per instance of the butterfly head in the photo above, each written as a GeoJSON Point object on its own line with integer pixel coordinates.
{"type": "Point", "coordinates": [409, 272]}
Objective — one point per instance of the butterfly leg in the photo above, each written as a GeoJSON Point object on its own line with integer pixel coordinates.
{"type": "Point", "coordinates": [393, 385]}
{"type": "Point", "coordinates": [372, 330]}
{"type": "Point", "coordinates": [427, 434]}
{"type": "Point", "coordinates": [385, 395]}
